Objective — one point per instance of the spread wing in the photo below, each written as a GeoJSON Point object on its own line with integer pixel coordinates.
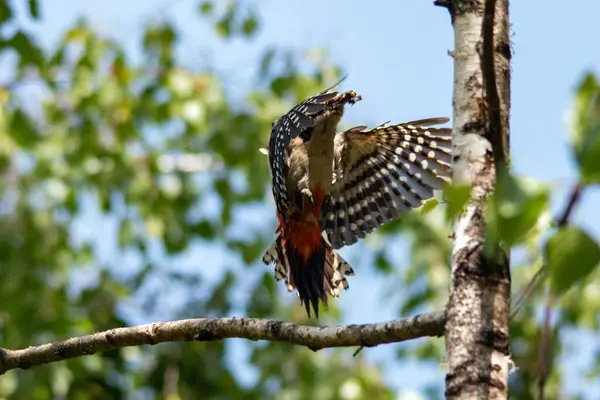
{"type": "Point", "coordinates": [382, 173]}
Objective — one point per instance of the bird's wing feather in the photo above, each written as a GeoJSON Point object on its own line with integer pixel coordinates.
{"type": "Point", "coordinates": [383, 172]}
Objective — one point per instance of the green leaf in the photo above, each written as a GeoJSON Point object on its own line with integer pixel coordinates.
{"type": "Point", "coordinates": [457, 197]}
{"type": "Point", "coordinates": [281, 85]}
{"type": "Point", "coordinates": [5, 12]}
{"type": "Point", "coordinates": [29, 52]}
{"type": "Point", "coordinates": [382, 264]}
{"type": "Point", "coordinates": [429, 206]}
{"type": "Point", "coordinates": [516, 206]}
{"type": "Point", "coordinates": [250, 26]}
{"type": "Point", "coordinates": [206, 8]}
{"type": "Point", "coordinates": [126, 233]}
{"type": "Point", "coordinates": [4, 163]}
{"type": "Point", "coordinates": [223, 26]}
{"type": "Point", "coordinates": [34, 9]}
{"type": "Point", "coordinates": [571, 255]}
{"type": "Point", "coordinates": [23, 130]}
{"type": "Point", "coordinates": [204, 229]}
{"type": "Point", "coordinates": [585, 133]}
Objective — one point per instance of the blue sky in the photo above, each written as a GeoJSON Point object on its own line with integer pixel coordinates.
{"type": "Point", "coordinates": [396, 55]}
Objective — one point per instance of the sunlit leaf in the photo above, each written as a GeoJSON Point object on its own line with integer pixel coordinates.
{"type": "Point", "coordinates": [571, 255]}
{"type": "Point", "coordinates": [429, 205]}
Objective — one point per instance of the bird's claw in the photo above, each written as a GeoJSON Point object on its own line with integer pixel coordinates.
{"type": "Point", "coordinates": [307, 194]}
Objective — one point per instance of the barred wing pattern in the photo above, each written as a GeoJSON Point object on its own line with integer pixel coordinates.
{"type": "Point", "coordinates": [383, 172]}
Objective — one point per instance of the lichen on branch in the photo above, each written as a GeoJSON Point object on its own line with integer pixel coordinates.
{"type": "Point", "coordinates": [210, 329]}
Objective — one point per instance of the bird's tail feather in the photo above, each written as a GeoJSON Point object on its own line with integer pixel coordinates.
{"type": "Point", "coordinates": [314, 276]}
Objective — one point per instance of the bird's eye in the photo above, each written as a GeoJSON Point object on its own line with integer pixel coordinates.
{"type": "Point", "coordinates": [306, 134]}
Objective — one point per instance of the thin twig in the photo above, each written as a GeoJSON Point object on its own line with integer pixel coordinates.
{"type": "Point", "coordinates": [544, 360]}
{"type": "Point", "coordinates": [358, 351]}
{"type": "Point", "coordinates": [573, 199]}
{"type": "Point", "coordinates": [210, 329]}
{"type": "Point", "coordinates": [545, 348]}
{"type": "Point", "coordinates": [527, 291]}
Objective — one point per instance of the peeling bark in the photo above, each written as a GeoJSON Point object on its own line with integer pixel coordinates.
{"type": "Point", "coordinates": [477, 313]}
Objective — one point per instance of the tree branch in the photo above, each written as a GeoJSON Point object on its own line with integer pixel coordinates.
{"type": "Point", "coordinates": [210, 329]}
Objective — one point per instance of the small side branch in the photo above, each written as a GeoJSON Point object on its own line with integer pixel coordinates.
{"type": "Point", "coordinates": [210, 329]}
{"type": "Point", "coordinates": [442, 3]}
{"type": "Point", "coordinates": [573, 199]}
{"type": "Point", "coordinates": [447, 4]}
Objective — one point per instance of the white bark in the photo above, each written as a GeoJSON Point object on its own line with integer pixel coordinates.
{"type": "Point", "coordinates": [476, 329]}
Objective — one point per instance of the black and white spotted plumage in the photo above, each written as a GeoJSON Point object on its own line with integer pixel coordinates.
{"type": "Point", "coordinates": [289, 126]}
{"type": "Point", "coordinates": [301, 159]}
{"type": "Point", "coordinates": [345, 185]}
{"type": "Point", "coordinates": [382, 173]}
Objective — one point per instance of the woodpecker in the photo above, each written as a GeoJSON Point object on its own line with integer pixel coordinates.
{"type": "Point", "coordinates": [332, 189]}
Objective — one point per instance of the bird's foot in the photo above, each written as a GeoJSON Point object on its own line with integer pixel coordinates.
{"type": "Point", "coordinates": [307, 196]}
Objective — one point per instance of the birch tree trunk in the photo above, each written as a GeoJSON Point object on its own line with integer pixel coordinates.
{"type": "Point", "coordinates": [477, 313]}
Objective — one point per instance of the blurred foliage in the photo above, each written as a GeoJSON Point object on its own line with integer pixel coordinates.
{"type": "Point", "coordinates": [586, 129]}
{"type": "Point", "coordinates": [571, 255]}
{"type": "Point", "coordinates": [149, 145]}
{"type": "Point", "coordinates": [515, 208]}
{"type": "Point", "coordinates": [113, 167]}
